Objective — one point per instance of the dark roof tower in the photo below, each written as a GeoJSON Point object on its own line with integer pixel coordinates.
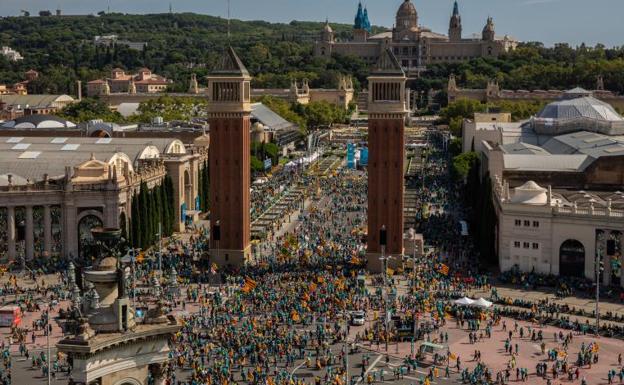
{"type": "Point", "coordinates": [359, 22]}
{"type": "Point", "coordinates": [387, 65]}
{"type": "Point", "coordinates": [367, 24]}
{"type": "Point", "coordinates": [230, 65]}
{"type": "Point", "coordinates": [455, 25]}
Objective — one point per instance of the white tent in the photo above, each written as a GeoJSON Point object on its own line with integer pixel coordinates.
{"type": "Point", "coordinates": [464, 301]}
{"type": "Point", "coordinates": [482, 303]}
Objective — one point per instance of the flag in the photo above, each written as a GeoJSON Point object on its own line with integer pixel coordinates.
{"type": "Point", "coordinates": [452, 356]}
{"type": "Point", "coordinates": [295, 316]}
{"type": "Point", "coordinates": [312, 286]}
{"type": "Point", "coordinates": [390, 272]}
{"type": "Point", "coordinates": [249, 285]}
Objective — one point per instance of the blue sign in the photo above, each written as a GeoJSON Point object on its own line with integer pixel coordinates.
{"type": "Point", "coordinates": [183, 212]}
{"type": "Point", "coordinates": [267, 164]}
{"type": "Point", "coordinates": [364, 156]}
{"type": "Point", "coordinates": [350, 155]}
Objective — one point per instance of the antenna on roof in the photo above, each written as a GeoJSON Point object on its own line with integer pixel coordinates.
{"type": "Point", "coordinates": [228, 20]}
{"type": "Point", "coordinates": [170, 8]}
{"type": "Point", "coordinates": [108, 7]}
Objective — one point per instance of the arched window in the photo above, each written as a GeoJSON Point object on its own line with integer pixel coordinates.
{"type": "Point", "coordinates": [572, 259]}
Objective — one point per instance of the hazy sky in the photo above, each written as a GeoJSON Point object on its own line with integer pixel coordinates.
{"type": "Point", "coordinates": [549, 21]}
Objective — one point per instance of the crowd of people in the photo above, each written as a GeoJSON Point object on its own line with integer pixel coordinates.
{"type": "Point", "coordinates": [288, 310]}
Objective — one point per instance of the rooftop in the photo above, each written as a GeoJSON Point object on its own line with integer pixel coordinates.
{"type": "Point", "coordinates": [32, 157]}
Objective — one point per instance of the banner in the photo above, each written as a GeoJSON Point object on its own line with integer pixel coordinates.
{"type": "Point", "coordinates": [364, 156]}
{"type": "Point", "coordinates": [351, 155]}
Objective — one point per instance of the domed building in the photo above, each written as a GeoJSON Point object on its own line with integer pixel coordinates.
{"type": "Point", "coordinates": [35, 122]}
{"type": "Point", "coordinates": [578, 108]}
{"type": "Point", "coordinates": [556, 182]}
{"type": "Point", "coordinates": [414, 45]}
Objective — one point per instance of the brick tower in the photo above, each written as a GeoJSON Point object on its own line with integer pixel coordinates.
{"type": "Point", "coordinates": [228, 115]}
{"type": "Point", "coordinates": [386, 128]}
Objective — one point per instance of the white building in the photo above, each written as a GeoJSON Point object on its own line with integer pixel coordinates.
{"type": "Point", "coordinates": [559, 232]}
{"type": "Point", "coordinates": [557, 181]}
{"type": "Point", "coordinates": [11, 54]}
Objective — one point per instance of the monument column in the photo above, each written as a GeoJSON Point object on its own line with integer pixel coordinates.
{"type": "Point", "coordinates": [386, 142]}
{"type": "Point", "coordinates": [47, 230]}
{"type": "Point", "coordinates": [229, 108]}
{"type": "Point", "coordinates": [29, 238]}
{"type": "Point", "coordinates": [11, 232]}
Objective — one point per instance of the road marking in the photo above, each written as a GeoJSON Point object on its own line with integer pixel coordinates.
{"type": "Point", "coordinates": [297, 368]}
{"type": "Point", "coordinates": [379, 357]}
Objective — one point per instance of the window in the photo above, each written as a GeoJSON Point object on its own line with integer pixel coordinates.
{"type": "Point", "coordinates": [535, 224]}
{"type": "Point", "coordinates": [527, 223]}
{"type": "Point", "coordinates": [518, 222]}
{"type": "Point", "coordinates": [517, 244]}
{"type": "Point", "coordinates": [535, 246]}
{"type": "Point", "coordinates": [525, 245]}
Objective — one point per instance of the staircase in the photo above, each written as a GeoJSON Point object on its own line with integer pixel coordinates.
{"type": "Point", "coordinates": [362, 101]}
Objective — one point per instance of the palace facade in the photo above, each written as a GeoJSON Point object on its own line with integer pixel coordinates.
{"type": "Point", "coordinates": [413, 45]}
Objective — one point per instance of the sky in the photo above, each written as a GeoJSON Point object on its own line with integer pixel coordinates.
{"type": "Point", "coordinates": [548, 21]}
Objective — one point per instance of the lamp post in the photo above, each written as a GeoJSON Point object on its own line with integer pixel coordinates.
{"type": "Point", "coordinates": [48, 331]}
{"type": "Point", "coordinates": [216, 236]}
{"type": "Point", "coordinates": [383, 237]}
{"type": "Point", "coordinates": [159, 235]}
{"type": "Point", "coordinates": [598, 266]}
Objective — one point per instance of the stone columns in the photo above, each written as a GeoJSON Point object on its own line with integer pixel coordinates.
{"type": "Point", "coordinates": [30, 239]}
{"type": "Point", "coordinates": [47, 230]}
{"type": "Point", "coordinates": [11, 232]}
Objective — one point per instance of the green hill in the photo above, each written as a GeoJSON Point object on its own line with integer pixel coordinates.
{"type": "Point", "coordinates": [62, 48]}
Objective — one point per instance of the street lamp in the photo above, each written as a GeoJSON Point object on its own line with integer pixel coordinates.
{"type": "Point", "coordinates": [383, 240]}
{"type": "Point", "coordinates": [216, 236]}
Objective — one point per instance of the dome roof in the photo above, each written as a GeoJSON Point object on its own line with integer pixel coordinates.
{"type": "Point", "coordinates": [39, 121]}
{"type": "Point", "coordinates": [489, 26]}
{"type": "Point", "coordinates": [406, 9]}
{"type": "Point", "coordinates": [530, 193]}
{"type": "Point", "coordinates": [581, 107]}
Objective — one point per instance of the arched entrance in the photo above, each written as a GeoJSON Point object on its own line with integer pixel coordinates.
{"type": "Point", "coordinates": [572, 259]}
{"type": "Point", "coordinates": [85, 239]}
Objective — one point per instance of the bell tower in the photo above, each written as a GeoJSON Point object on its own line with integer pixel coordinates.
{"type": "Point", "coordinates": [386, 140]}
{"type": "Point", "coordinates": [455, 26]}
{"type": "Point", "coordinates": [229, 107]}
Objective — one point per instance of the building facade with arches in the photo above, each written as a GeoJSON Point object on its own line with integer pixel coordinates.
{"type": "Point", "coordinates": [54, 190]}
{"type": "Point", "coordinates": [560, 232]}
